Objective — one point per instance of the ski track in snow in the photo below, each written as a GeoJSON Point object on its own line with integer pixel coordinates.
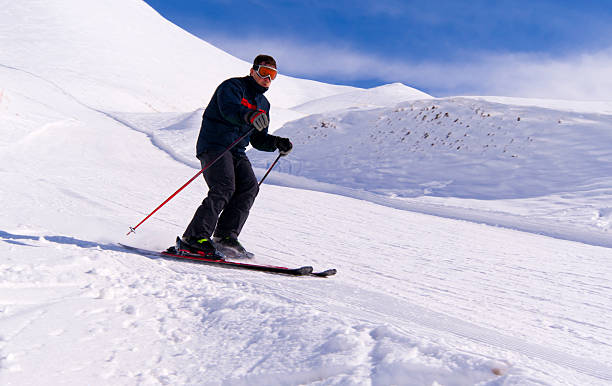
{"type": "Point", "coordinates": [373, 319]}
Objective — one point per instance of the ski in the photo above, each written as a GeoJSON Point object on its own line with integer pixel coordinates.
{"type": "Point", "coordinates": [172, 253]}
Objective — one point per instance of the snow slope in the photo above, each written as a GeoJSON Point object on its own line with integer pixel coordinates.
{"type": "Point", "coordinates": [524, 167]}
{"type": "Point", "coordinates": [419, 299]}
{"type": "Point", "coordinates": [382, 96]}
{"type": "Point", "coordinates": [598, 107]}
{"type": "Point", "coordinates": [121, 55]}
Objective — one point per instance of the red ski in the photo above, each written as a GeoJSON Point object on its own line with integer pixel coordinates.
{"type": "Point", "coordinates": [172, 253]}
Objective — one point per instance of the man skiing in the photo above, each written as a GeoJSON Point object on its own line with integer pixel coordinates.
{"type": "Point", "coordinates": [237, 107]}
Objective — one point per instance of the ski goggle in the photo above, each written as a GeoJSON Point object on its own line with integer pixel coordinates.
{"type": "Point", "coordinates": [265, 71]}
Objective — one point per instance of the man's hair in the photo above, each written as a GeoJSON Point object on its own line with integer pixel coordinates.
{"type": "Point", "coordinates": [265, 60]}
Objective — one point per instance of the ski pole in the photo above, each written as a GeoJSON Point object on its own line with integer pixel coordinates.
{"type": "Point", "coordinates": [133, 229]}
{"type": "Point", "coordinates": [269, 170]}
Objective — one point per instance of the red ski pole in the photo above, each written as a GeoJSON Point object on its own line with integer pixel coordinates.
{"type": "Point", "coordinates": [133, 229]}
{"type": "Point", "coordinates": [269, 170]}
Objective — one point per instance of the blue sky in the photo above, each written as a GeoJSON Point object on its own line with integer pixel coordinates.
{"type": "Point", "coordinates": [532, 48]}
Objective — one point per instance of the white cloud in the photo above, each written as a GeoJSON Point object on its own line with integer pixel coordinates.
{"type": "Point", "coordinates": [580, 76]}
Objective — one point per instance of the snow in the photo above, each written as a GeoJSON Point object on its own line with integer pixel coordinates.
{"type": "Point", "coordinates": [483, 259]}
{"type": "Point", "coordinates": [120, 55]}
{"type": "Point", "coordinates": [603, 107]}
{"type": "Point", "coordinates": [382, 96]}
{"type": "Point", "coordinates": [524, 167]}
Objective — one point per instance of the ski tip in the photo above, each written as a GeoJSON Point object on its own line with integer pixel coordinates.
{"type": "Point", "coordinates": [329, 272]}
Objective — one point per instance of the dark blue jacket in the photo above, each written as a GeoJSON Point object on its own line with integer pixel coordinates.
{"type": "Point", "coordinates": [224, 120]}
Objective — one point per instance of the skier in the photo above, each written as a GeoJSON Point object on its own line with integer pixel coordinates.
{"type": "Point", "coordinates": [237, 106]}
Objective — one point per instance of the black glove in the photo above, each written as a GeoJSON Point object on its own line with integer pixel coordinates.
{"type": "Point", "coordinates": [283, 145]}
{"type": "Point", "coordinates": [258, 118]}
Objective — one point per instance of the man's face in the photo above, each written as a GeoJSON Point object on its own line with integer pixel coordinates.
{"type": "Point", "coordinates": [264, 82]}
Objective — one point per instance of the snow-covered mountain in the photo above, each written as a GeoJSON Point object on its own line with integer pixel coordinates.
{"type": "Point", "coordinates": [382, 96]}
{"type": "Point", "coordinates": [121, 55]}
{"type": "Point", "coordinates": [404, 194]}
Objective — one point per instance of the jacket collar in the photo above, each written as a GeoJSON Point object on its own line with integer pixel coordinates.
{"type": "Point", "coordinates": [254, 85]}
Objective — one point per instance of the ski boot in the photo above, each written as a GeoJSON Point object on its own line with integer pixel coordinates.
{"type": "Point", "coordinates": [231, 247]}
{"type": "Point", "coordinates": [202, 247]}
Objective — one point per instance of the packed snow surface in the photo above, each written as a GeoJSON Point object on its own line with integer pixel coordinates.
{"type": "Point", "coordinates": [471, 234]}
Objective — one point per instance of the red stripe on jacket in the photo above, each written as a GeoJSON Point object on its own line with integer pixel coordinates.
{"type": "Point", "coordinates": [246, 103]}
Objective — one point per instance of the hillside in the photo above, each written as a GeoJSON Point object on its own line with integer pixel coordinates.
{"type": "Point", "coordinates": [382, 96]}
{"type": "Point", "coordinates": [524, 167]}
{"type": "Point", "coordinates": [121, 55]}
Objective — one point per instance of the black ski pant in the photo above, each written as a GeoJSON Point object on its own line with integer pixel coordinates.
{"type": "Point", "coordinates": [232, 190]}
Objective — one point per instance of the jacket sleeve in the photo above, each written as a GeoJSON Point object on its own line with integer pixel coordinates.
{"type": "Point", "coordinates": [263, 141]}
{"type": "Point", "coordinates": [229, 100]}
